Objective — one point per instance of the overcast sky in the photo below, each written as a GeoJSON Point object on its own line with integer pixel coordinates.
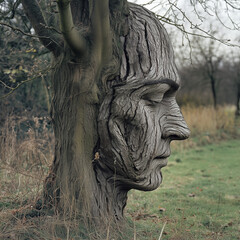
{"type": "Point", "coordinates": [215, 17]}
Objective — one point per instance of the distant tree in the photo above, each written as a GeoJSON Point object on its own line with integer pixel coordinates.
{"type": "Point", "coordinates": [211, 62]}
{"type": "Point", "coordinates": [236, 79]}
{"type": "Point", "coordinates": [203, 74]}
{"type": "Point", "coordinates": [21, 60]}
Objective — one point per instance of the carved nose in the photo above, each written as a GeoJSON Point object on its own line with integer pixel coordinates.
{"type": "Point", "coordinates": [175, 127]}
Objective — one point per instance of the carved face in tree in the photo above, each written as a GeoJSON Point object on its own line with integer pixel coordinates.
{"type": "Point", "coordinates": [140, 117]}
{"type": "Point", "coordinates": [136, 134]}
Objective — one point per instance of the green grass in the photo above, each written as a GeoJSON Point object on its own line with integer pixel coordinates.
{"type": "Point", "coordinates": [198, 199]}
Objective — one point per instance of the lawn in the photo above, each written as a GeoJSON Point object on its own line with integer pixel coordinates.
{"type": "Point", "coordinates": [198, 199]}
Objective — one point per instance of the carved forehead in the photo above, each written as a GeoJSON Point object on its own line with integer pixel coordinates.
{"type": "Point", "coordinates": [148, 54]}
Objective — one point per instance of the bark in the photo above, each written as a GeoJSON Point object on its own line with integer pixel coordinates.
{"type": "Point", "coordinates": [79, 84]}
{"type": "Point", "coordinates": [113, 120]}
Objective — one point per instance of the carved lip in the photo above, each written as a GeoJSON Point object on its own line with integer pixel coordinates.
{"type": "Point", "coordinates": [163, 160]}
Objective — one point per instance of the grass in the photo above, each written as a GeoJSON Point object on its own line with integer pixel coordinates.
{"type": "Point", "coordinates": [205, 119]}
{"type": "Point", "coordinates": [208, 125]}
{"type": "Point", "coordinates": [199, 197]}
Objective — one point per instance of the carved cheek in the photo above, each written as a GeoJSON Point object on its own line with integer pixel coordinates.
{"type": "Point", "coordinates": [115, 145]}
{"type": "Point", "coordinates": [141, 134]}
{"type": "Point", "coordinates": [131, 129]}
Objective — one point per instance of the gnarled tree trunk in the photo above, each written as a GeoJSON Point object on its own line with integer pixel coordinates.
{"type": "Point", "coordinates": [79, 85]}
{"type": "Point", "coordinates": [114, 111]}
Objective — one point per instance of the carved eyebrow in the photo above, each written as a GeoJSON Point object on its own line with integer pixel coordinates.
{"type": "Point", "coordinates": [174, 86]}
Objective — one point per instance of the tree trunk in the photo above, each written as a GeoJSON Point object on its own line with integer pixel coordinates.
{"type": "Point", "coordinates": [238, 99]}
{"type": "Point", "coordinates": [214, 94]}
{"type": "Point", "coordinates": [74, 115]}
{"type": "Point", "coordinates": [74, 186]}
{"type": "Point", "coordinates": [111, 136]}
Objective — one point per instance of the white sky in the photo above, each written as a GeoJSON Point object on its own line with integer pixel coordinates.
{"type": "Point", "coordinates": [202, 16]}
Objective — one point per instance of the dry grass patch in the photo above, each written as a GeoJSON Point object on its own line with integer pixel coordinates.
{"type": "Point", "coordinates": [207, 125]}
{"type": "Point", "coordinates": [26, 152]}
{"type": "Point", "coordinates": [209, 120]}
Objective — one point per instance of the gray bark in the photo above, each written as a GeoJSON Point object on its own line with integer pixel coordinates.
{"type": "Point", "coordinates": [113, 122]}
{"type": "Point", "coordinates": [139, 116]}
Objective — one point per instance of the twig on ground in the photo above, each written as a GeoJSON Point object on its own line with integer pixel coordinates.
{"type": "Point", "coordinates": [162, 231]}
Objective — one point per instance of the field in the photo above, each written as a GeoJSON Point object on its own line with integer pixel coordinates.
{"type": "Point", "coordinates": [198, 199]}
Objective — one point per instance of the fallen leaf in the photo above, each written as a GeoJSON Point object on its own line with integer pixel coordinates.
{"type": "Point", "coordinates": [191, 195]}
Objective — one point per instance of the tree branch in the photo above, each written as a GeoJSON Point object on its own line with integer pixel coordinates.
{"type": "Point", "coordinates": [46, 36]}
{"type": "Point", "coordinates": [207, 34]}
{"type": "Point", "coordinates": [12, 89]}
{"type": "Point", "coordinates": [73, 38]}
{"type": "Point", "coordinates": [232, 5]}
{"type": "Point", "coordinates": [26, 34]}
{"type": "Point", "coordinates": [12, 10]}
{"type": "Point", "coordinates": [100, 24]}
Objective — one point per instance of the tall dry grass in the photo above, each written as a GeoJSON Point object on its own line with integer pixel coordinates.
{"type": "Point", "coordinates": [209, 120]}
{"type": "Point", "coordinates": [207, 125]}
{"type": "Point", "coordinates": [26, 150]}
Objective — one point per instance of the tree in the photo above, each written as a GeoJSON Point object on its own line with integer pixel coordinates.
{"type": "Point", "coordinates": [238, 97]}
{"type": "Point", "coordinates": [21, 58]}
{"type": "Point", "coordinates": [105, 53]}
{"type": "Point", "coordinates": [79, 60]}
{"type": "Point", "coordinates": [211, 65]}
{"type": "Point", "coordinates": [235, 69]}
{"type": "Point", "coordinates": [204, 72]}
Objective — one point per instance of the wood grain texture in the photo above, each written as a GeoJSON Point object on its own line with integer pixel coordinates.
{"type": "Point", "coordinates": [139, 116]}
{"type": "Point", "coordinates": [124, 112]}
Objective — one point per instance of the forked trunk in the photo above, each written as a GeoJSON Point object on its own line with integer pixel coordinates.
{"type": "Point", "coordinates": [76, 186]}
{"type": "Point", "coordinates": [113, 124]}
{"type": "Point", "coordinates": [74, 115]}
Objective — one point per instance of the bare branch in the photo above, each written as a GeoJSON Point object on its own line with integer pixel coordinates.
{"type": "Point", "coordinates": [100, 25]}
{"type": "Point", "coordinates": [205, 34]}
{"type": "Point", "coordinates": [46, 36]}
{"type": "Point", "coordinates": [12, 89]}
{"type": "Point", "coordinates": [73, 38]}
{"type": "Point", "coordinates": [231, 5]}
{"type": "Point", "coordinates": [27, 34]}
{"type": "Point", "coordinates": [11, 10]}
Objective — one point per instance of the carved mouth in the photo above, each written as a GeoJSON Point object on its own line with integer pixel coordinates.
{"type": "Point", "coordinates": [163, 160]}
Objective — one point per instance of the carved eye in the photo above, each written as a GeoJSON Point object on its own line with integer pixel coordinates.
{"type": "Point", "coordinates": [152, 103]}
{"type": "Point", "coordinates": [153, 99]}
{"type": "Point", "coordinates": [153, 93]}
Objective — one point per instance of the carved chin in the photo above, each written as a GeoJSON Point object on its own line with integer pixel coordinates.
{"type": "Point", "coordinates": [153, 177]}
{"type": "Point", "coordinates": [148, 182]}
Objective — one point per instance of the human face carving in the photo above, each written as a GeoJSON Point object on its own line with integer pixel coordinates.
{"type": "Point", "coordinates": [136, 130]}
